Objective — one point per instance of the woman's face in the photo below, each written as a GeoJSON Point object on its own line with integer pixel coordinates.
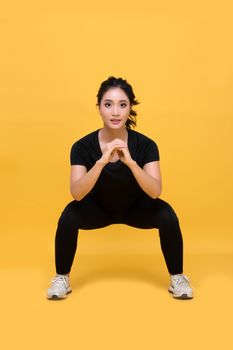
{"type": "Point", "coordinates": [114, 108]}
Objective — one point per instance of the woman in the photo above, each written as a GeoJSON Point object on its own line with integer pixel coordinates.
{"type": "Point", "coordinates": [115, 178]}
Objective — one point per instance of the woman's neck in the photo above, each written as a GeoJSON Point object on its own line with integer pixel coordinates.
{"type": "Point", "coordinates": [108, 135]}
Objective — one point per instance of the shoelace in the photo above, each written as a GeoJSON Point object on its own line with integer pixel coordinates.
{"type": "Point", "coordinates": [60, 280]}
{"type": "Point", "coordinates": [181, 280]}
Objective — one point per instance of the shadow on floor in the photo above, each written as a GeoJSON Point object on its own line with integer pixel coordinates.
{"type": "Point", "coordinates": [146, 268]}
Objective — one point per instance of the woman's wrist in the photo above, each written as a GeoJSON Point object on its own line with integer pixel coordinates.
{"type": "Point", "coordinates": [101, 162]}
{"type": "Point", "coordinates": [131, 164]}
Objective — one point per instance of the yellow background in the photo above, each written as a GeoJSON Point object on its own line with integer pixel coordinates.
{"type": "Point", "coordinates": [178, 56]}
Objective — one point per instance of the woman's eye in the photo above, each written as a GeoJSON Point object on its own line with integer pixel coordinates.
{"type": "Point", "coordinates": [108, 104]}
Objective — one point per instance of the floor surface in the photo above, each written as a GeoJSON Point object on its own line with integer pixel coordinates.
{"type": "Point", "coordinates": [119, 299]}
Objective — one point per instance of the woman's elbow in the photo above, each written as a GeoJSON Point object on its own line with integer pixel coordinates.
{"type": "Point", "coordinates": [157, 192]}
{"type": "Point", "coordinates": [156, 195]}
{"type": "Point", "coordinates": [75, 195]}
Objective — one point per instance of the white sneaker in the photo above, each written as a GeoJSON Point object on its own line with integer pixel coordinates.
{"type": "Point", "coordinates": [60, 287]}
{"type": "Point", "coordinates": [180, 287]}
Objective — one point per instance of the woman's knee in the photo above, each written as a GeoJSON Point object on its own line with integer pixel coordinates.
{"type": "Point", "coordinates": [167, 215]}
{"type": "Point", "coordinates": [69, 216]}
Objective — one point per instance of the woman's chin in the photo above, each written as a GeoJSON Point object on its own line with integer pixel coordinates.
{"type": "Point", "coordinates": [118, 126]}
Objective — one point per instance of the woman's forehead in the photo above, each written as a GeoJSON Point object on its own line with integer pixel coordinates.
{"type": "Point", "coordinates": [115, 93]}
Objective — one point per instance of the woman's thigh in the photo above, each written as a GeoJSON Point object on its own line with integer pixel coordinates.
{"type": "Point", "coordinates": [149, 213]}
{"type": "Point", "coordinates": [86, 214]}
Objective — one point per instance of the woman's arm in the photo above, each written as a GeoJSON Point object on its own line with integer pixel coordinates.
{"type": "Point", "coordinates": [82, 181]}
{"type": "Point", "coordinates": [148, 178]}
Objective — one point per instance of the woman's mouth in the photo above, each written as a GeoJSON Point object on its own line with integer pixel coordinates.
{"type": "Point", "coordinates": [115, 121]}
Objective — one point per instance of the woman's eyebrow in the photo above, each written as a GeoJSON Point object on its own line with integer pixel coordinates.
{"type": "Point", "coordinates": [112, 100]}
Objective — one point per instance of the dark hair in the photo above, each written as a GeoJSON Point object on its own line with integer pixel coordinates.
{"type": "Point", "coordinates": [127, 88]}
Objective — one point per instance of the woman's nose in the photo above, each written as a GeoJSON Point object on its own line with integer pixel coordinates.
{"type": "Point", "coordinates": [115, 111]}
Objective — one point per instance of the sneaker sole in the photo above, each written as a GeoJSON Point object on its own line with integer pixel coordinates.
{"type": "Point", "coordinates": [182, 296]}
{"type": "Point", "coordinates": [56, 297]}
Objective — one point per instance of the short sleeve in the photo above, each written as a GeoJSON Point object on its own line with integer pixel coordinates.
{"type": "Point", "coordinates": [151, 152]}
{"type": "Point", "coordinates": [77, 154]}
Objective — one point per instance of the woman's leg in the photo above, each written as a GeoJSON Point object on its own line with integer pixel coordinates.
{"type": "Point", "coordinates": [155, 213]}
{"type": "Point", "coordinates": [86, 215]}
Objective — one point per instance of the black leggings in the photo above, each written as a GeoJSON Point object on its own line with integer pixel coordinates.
{"type": "Point", "coordinates": [146, 213]}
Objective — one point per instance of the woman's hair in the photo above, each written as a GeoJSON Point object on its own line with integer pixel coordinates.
{"type": "Point", "coordinates": [112, 82]}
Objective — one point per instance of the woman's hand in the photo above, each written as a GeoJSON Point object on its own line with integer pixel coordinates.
{"type": "Point", "coordinates": [124, 154]}
{"type": "Point", "coordinates": [110, 149]}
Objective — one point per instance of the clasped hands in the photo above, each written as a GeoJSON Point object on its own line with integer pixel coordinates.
{"type": "Point", "coordinates": [121, 148]}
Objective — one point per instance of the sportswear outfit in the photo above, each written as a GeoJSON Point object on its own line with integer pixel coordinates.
{"type": "Point", "coordinates": [117, 198]}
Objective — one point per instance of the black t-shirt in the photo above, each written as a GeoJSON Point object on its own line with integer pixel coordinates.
{"type": "Point", "coordinates": [116, 188]}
